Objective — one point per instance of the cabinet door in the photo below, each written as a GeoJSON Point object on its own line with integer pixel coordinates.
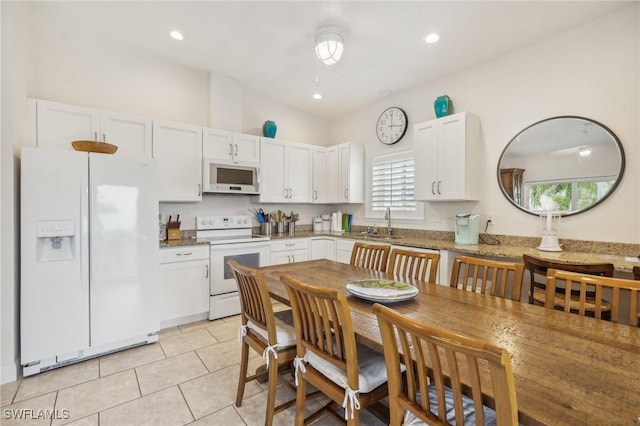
{"type": "Point", "coordinates": [333, 175]}
{"type": "Point", "coordinates": [319, 175]}
{"type": "Point", "coordinates": [281, 257]}
{"type": "Point", "coordinates": [351, 172]}
{"type": "Point", "coordinates": [425, 151]}
{"type": "Point", "coordinates": [184, 289]}
{"type": "Point", "coordinates": [217, 144]}
{"type": "Point", "coordinates": [451, 158]}
{"type": "Point", "coordinates": [299, 173]}
{"type": "Point", "coordinates": [246, 148]}
{"type": "Point", "coordinates": [344, 248]}
{"type": "Point", "coordinates": [130, 133]}
{"type": "Point", "coordinates": [178, 149]}
{"type": "Point", "coordinates": [322, 248]}
{"type": "Point", "coordinates": [272, 187]}
{"type": "Point", "coordinates": [299, 256]}
{"type": "Point", "coordinates": [59, 124]}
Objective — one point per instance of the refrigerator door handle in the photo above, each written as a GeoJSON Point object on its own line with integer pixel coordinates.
{"type": "Point", "coordinates": [84, 237]}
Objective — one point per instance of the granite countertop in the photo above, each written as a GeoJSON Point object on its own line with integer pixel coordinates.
{"type": "Point", "coordinates": [623, 256]}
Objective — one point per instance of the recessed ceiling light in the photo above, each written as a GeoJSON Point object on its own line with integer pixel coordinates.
{"type": "Point", "coordinates": [317, 96]}
{"type": "Point", "coordinates": [176, 35]}
{"type": "Point", "coordinates": [432, 38]}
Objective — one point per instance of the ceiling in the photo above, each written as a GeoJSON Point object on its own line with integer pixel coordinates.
{"type": "Point", "coordinates": [269, 46]}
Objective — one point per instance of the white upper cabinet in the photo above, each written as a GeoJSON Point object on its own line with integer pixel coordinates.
{"type": "Point", "coordinates": [448, 158]}
{"type": "Point", "coordinates": [178, 149]}
{"type": "Point", "coordinates": [228, 146]}
{"type": "Point", "coordinates": [57, 125]}
{"type": "Point", "coordinates": [345, 173]}
{"type": "Point", "coordinates": [319, 174]}
{"type": "Point", "coordinates": [286, 172]}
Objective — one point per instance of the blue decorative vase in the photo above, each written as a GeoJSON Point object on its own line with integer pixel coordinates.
{"type": "Point", "coordinates": [442, 105]}
{"type": "Point", "coordinates": [269, 129]}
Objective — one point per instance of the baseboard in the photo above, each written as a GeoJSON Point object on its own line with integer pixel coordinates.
{"type": "Point", "coordinates": [9, 373]}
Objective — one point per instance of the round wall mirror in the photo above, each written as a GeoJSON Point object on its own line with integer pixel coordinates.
{"type": "Point", "coordinates": [567, 164]}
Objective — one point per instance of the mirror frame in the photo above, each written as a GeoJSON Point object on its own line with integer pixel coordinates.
{"type": "Point", "coordinates": [613, 188]}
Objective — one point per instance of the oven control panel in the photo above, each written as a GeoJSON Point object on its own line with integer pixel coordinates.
{"type": "Point", "coordinates": [223, 222]}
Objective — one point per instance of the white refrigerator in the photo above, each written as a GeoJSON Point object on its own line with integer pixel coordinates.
{"type": "Point", "coordinates": [89, 255]}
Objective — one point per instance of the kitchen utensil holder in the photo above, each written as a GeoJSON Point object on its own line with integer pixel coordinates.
{"type": "Point", "coordinates": [280, 227]}
{"type": "Point", "coordinates": [292, 228]}
{"type": "Point", "coordinates": [266, 228]}
{"type": "Point", "coordinates": [173, 234]}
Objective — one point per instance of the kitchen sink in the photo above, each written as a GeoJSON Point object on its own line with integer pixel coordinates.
{"type": "Point", "coordinates": [381, 237]}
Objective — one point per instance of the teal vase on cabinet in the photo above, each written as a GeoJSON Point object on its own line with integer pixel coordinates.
{"type": "Point", "coordinates": [269, 129]}
{"type": "Point", "coordinates": [442, 105]}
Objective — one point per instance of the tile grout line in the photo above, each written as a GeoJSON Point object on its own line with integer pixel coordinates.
{"type": "Point", "coordinates": [186, 402]}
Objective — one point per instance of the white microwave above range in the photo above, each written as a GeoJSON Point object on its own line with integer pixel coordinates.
{"type": "Point", "coordinates": [226, 177]}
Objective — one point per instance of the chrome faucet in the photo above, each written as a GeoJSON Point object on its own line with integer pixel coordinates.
{"type": "Point", "coordinates": [387, 216]}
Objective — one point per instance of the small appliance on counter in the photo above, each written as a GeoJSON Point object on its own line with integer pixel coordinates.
{"type": "Point", "coordinates": [326, 222]}
{"type": "Point", "coordinates": [317, 224]}
{"type": "Point", "coordinates": [549, 223]}
{"type": "Point", "coordinates": [467, 228]}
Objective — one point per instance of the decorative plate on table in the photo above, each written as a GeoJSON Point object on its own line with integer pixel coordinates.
{"type": "Point", "coordinates": [382, 291]}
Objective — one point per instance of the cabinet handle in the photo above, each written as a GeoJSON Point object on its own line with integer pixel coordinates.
{"type": "Point", "coordinates": [289, 192]}
{"type": "Point", "coordinates": [207, 271]}
{"type": "Point", "coordinates": [185, 254]}
{"type": "Point", "coordinates": [293, 257]}
{"type": "Point", "coordinates": [284, 192]}
{"type": "Point", "coordinates": [433, 191]}
{"type": "Point", "coordinates": [95, 136]}
{"type": "Point", "coordinates": [236, 154]}
{"type": "Point", "coordinates": [104, 137]}
{"type": "Point", "coordinates": [199, 189]}
{"type": "Point", "coordinates": [346, 194]}
{"type": "Point", "coordinates": [290, 244]}
{"type": "Point", "coordinates": [315, 194]}
{"type": "Point", "coordinates": [439, 187]}
{"type": "Point", "coordinates": [230, 150]}
{"type": "Point", "coordinates": [289, 258]}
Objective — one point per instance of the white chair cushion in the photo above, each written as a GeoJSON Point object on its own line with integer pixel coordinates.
{"type": "Point", "coordinates": [285, 332]}
{"type": "Point", "coordinates": [467, 408]}
{"type": "Point", "coordinates": [371, 366]}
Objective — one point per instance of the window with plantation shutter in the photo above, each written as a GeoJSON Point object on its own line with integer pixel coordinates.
{"type": "Point", "coordinates": [392, 185]}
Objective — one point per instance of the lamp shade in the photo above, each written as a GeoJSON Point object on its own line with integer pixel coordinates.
{"type": "Point", "coordinates": [329, 44]}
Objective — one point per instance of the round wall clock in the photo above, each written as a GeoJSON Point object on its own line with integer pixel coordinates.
{"type": "Point", "coordinates": [392, 125]}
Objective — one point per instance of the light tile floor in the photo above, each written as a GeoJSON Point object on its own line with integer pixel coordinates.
{"type": "Point", "coordinates": [188, 377]}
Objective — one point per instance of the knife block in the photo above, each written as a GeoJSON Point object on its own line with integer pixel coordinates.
{"type": "Point", "coordinates": [173, 234]}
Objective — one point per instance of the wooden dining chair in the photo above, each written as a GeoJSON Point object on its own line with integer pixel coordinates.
{"type": "Point", "coordinates": [370, 256]}
{"type": "Point", "coordinates": [580, 284]}
{"type": "Point", "coordinates": [414, 264]}
{"type": "Point", "coordinates": [445, 365]}
{"type": "Point", "coordinates": [636, 276]}
{"type": "Point", "coordinates": [501, 279]}
{"type": "Point", "coordinates": [328, 357]}
{"type": "Point", "coordinates": [271, 336]}
{"type": "Point", "coordinates": [538, 275]}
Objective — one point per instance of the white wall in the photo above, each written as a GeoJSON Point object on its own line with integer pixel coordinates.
{"type": "Point", "coordinates": [591, 71]}
{"type": "Point", "coordinates": [14, 43]}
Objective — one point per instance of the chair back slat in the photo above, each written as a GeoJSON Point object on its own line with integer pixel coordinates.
{"type": "Point", "coordinates": [500, 279]}
{"type": "Point", "coordinates": [620, 289]}
{"type": "Point", "coordinates": [323, 325]}
{"type": "Point", "coordinates": [370, 256]}
{"type": "Point", "coordinates": [462, 364]}
{"type": "Point", "coordinates": [414, 265]}
{"type": "Point", "coordinates": [255, 303]}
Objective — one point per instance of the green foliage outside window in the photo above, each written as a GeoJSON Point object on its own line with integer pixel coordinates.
{"type": "Point", "coordinates": [567, 196]}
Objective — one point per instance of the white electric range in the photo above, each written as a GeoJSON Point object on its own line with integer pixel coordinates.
{"type": "Point", "coordinates": [230, 238]}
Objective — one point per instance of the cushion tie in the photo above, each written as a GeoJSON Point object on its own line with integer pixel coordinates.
{"type": "Point", "coordinates": [350, 402]}
{"type": "Point", "coordinates": [242, 331]}
{"type": "Point", "coordinates": [271, 349]}
{"type": "Point", "coordinates": [298, 364]}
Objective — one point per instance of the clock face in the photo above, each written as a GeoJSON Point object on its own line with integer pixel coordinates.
{"type": "Point", "coordinates": [392, 125]}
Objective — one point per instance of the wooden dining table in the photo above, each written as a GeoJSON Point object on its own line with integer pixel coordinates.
{"type": "Point", "coordinates": [568, 369]}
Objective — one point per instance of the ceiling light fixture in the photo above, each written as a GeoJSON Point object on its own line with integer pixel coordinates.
{"type": "Point", "coordinates": [329, 44]}
{"type": "Point", "coordinates": [432, 38]}
{"type": "Point", "coordinates": [176, 35]}
{"type": "Point", "coordinates": [317, 96]}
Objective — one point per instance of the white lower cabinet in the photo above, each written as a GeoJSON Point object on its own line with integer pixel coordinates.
{"type": "Point", "coordinates": [184, 284]}
{"type": "Point", "coordinates": [289, 251]}
{"type": "Point", "coordinates": [322, 248]}
{"type": "Point", "coordinates": [344, 248]}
